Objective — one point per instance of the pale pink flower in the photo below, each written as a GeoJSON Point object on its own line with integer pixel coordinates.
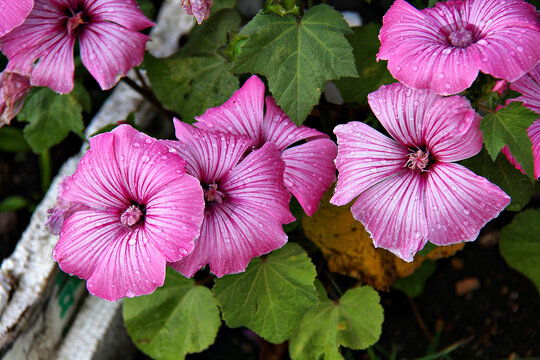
{"type": "Point", "coordinates": [13, 13]}
{"type": "Point", "coordinates": [409, 190]}
{"type": "Point", "coordinates": [127, 210]}
{"type": "Point", "coordinates": [13, 91]}
{"type": "Point", "coordinates": [246, 202]}
{"type": "Point", "coordinates": [443, 48]}
{"type": "Point", "coordinates": [529, 86]}
{"type": "Point", "coordinates": [42, 47]}
{"type": "Point", "coordinates": [198, 8]}
{"type": "Point", "coordinates": [308, 154]}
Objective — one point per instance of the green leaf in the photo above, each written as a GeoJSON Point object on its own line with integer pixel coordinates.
{"type": "Point", "coordinates": [51, 117]}
{"type": "Point", "coordinates": [355, 322]}
{"type": "Point", "coordinates": [413, 285]}
{"type": "Point", "coordinates": [297, 57]}
{"type": "Point", "coordinates": [191, 85]}
{"type": "Point", "coordinates": [429, 247]}
{"type": "Point", "coordinates": [509, 126]}
{"type": "Point", "coordinates": [177, 319]}
{"type": "Point", "coordinates": [12, 140]}
{"type": "Point", "coordinates": [13, 203]}
{"type": "Point", "coordinates": [372, 74]}
{"type": "Point", "coordinates": [501, 172]}
{"type": "Point", "coordinates": [271, 296]}
{"type": "Point", "coordinates": [206, 38]}
{"type": "Point", "coordinates": [196, 78]}
{"type": "Point", "coordinates": [520, 244]}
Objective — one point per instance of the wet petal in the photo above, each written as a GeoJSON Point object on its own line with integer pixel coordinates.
{"type": "Point", "coordinates": [13, 14]}
{"type": "Point", "coordinates": [122, 12]}
{"type": "Point", "coordinates": [459, 203]}
{"type": "Point", "coordinates": [242, 114]}
{"type": "Point", "coordinates": [365, 158]}
{"type": "Point", "coordinates": [309, 171]}
{"type": "Point", "coordinates": [393, 212]}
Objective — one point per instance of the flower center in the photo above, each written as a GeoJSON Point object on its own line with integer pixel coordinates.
{"type": "Point", "coordinates": [461, 38]}
{"type": "Point", "coordinates": [213, 195]}
{"type": "Point", "coordinates": [74, 23]}
{"type": "Point", "coordinates": [131, 216]}
{"type": "Point", "coordinates": [418, 160]}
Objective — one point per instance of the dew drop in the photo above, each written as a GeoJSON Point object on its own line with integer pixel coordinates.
{"type": "Point", "coordinates": [132, 242]}
{"type": "Point", "coordinates": [130, 294]}
{"type": "Point", "coordinates": [519, 48]}
{"type": "Point", "coordinates": [145, 158]}
{"type": "Point", "coordinates": [148, 141]}
{"type": "Point", "coordinates": [466, 211]}
{"type": "Point", "coordinates": [136, 144]}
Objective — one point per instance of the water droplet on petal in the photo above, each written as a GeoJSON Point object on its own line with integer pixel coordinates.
{"type": "Point", "coordinates": [130, 294]}
{"type": "Point", "coordinates": [136, 144]}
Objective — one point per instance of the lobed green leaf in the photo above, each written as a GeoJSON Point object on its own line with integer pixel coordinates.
{"type": "Point", "coordinates": [177, 319]}
{"type": "Point", "coordinates": [509, 126]}
{"type": "Point", "coordinates": [51, 117]}
{"type": "Point", "coordinates": [355, 322]}
{"type": "Point", "coordinates": [520, 244]}
{"type": "Point", "coordinates": [297, 57]}
{"type": "Point", "coordinates": [271, 296]}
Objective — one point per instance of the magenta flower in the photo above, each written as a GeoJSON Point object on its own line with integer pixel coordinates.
{"type": "Point", "coordinates": [409, 191]}
{"type": "Point", "coordinates": [127, 210]}
{"type": "Point", "coordinates": [309, 166]}
{"type": "Point", "coordinates": [13, 14]}
{"type": "Point", "coordinates": [42, 47]}
{"type": "Point", "coordinates": [529, 86]}
{"type": "Point", "coordinates": [246, 202]}
{"type": "Point", "coordinates": [443, 48]}
{"type": "Point", "coordinates": [198, 8]}
{"type": "Point", "coordinates": [13, 91]}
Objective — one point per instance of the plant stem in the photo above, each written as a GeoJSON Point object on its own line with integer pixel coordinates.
{"type": "Point", "coordinates": [150, 97]}
{"type": "Point", "coordinates": [45, 169]}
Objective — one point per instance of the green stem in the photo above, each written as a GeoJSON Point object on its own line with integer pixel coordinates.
{"type": "Point", "coordinates": [45, 168]}
{"type": "Point", "coordinates": [150, 97]}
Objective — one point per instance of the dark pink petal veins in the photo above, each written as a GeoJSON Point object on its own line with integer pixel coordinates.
{"type": "Point", "coordinates": [459, 203]}
{"type": "Point", "coordinates": [242, 114]}
{"type": "Point", "coordinates": [365, 158]}
{"type": "Point", "coordinates": [392, 211]}
{"type": "Point", "coordinates": [13, 13]}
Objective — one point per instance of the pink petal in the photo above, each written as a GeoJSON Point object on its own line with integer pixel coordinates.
{"type": "Point", "coordinates": [365, 158]}
{"type": "Point", "coordinates": [257, 181]}
{"type": "Point", "coordinates": [109, 51]}
{"type": "Point", "coordinates": [418, 52]}
{"type": "Point", "coordinates": [40, 44]}
{"type": "Point", "coordinates": [198, 8]}
{"type": "Point", "coordinates": [452, 129]}
{"type": "Point", "coordinates": [208, 155]}
{"type": "Point", "coordinates": [128, 267]}
{"type": "Point", "coordinates": [459, 203]}
{"type": "Point", "coordinates": [86, 235]}
{"type": "Point", "coordinates": [13, 14]}
{"type": "Point", "coordinates": [309, 171]}
{"type": "Point", "coordinates": [422, 55]}
{"type": "Point", "coordinates": [534, 134]}
{"type": "Point", "coordinates": [249, 221]}
{"type": "Point", "coordinates": [13, 91]}
{"type": "Point", "coordinates": [393, 212]}
{"type": "Point", "coordinates": [529, 86]}
{"type": "Point", "coordinates": [97, 182]}
{"type": "Point", "coordinates": [122, 12]}
{"type": "Point", "coordinates": [279, 129]}
{"type": "Point", "coordinates": [509, 36]}
{"type": "Point", "coordinates": [402, 111]}
{"type": "Point", "coordinates": [242, 114]}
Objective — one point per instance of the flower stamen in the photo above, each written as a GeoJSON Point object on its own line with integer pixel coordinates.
{"type": "Point", "coordinates": [418, 160]}
{"type": "Point", "coordinates": [74, 23]}
{"type": "Point", "coordinates": [213, 195]}
{"type": "Point", "coordinates": [461, 38]}
{"type": "Point", "coordinates": [131, 216]}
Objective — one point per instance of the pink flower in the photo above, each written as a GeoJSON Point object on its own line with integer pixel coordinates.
{"type": "Point", "coordinates": [13, 91]}
{"type": "Point", "coordinates": [443, 48]}
{"type": "Point", "coordinates": [410, 191]}
{"type": "Point", "coordinates": [42, 47]}
{"type": "Point", "coordinates": [529, 86]}
{"type": "Point", "coordinates": [246, 203]}
{"type": "Point", "coordinates": [198, 8]}
{"type": "Point", "coordinates": [128, 209]}
{"type": "Point", "coordinates": [13, 14]}
{"type": "Point", "coordinates": [309, 166]}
